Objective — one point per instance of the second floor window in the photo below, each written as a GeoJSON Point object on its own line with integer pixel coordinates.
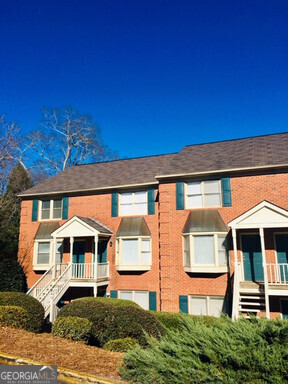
{"type": "Point", "coordinates": [202, 194]}
{"type": "Point", "coordinates": [51, 209]}
{"type": "Point", "coordinates": [133, 203]}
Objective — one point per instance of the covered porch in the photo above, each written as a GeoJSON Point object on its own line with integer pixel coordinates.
{"type": "Point", "coordinates": [260, 248]}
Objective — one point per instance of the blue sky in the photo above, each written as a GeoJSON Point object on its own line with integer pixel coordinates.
{"type": "Point", "coordinates": [155, 74]}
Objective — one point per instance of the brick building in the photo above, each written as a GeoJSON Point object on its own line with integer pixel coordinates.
{"type": "Point", "coordinates": [201, 231]}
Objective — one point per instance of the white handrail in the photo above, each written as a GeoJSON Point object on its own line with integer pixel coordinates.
{"type": "Point", "coordinates": [277, 273]}
{"type": "Point", "coordinates": [38, 282]}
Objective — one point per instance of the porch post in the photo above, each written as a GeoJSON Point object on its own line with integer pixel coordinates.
{"type": "Point", "coordinates": [95, 263]}
{"type": "Point", "coordinates": [54, 257]}
{"type": "Point", "coordinates": [261, 231]}
{"type": "Point", "coordinates": [235, 306]}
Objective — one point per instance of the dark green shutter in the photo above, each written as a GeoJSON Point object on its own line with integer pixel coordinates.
{"type": "Point", "coordinates": [113, 294]}
{"type": "Point", "coordinates": [114, 205]}
{"type": "Point", "coordinates": [179, 196]}
{"type": "Point", "coordinates": [183, 304]}
{"type": "Point", "coordinates": [151, 202]}
{"type": "Point", "coordinates": [152, 301]}
{"type": "Point", "coordinates": [226, 192]}
{"type": "Point", "coordinates": [35, 210]}
{"type": "Point", "coordinates": [65, 203]}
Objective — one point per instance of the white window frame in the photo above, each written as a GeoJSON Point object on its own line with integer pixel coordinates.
{"type": "Point", "coordinates": [202, 194]}
{"type": "Point", "coordinates": [216, 267]}
{"type": "Point", "coordinates": [133, 295]}
{"type": "Point", "coordinates": [140, 266]}
{"type": "Point", "coordinates": [208, 299]}
{"type": "Point", "coordinates": [134, 204]}
{"type": "Point", "coordinates": [42, 267]}
{"type": "Point", "coordinates": [51, 210]}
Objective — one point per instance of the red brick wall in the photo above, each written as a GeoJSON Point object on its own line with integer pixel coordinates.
{"type": "Point", "coordinates": [166, 227]}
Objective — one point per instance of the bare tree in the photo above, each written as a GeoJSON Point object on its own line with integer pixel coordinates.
{"type": "Point", "coordinates": [9, 149]}
{"type": "Point", "coordinates": [67, 138]}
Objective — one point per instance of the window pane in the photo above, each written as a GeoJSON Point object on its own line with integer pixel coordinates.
{"type": "Point", "coordinates": [142, 298]}
{"type": "Point", "coordinates": [194, 188]}
{"type": "Point", "coordinates": [126, 198]}
{"type": "Point", "coordinates": [46, 204]}
{"type": "Point", "coordinates": [43, 253]}
{"type": "Point", "coordinates": [130, 251]}
{"type": "Point", "coordinates": [212, 200]}
{"type": "Point", "coordinates": [146, 245]}
{"type": "Point", "coordinates": [59, 253]}
{"type": "Point", "coordinates": [216, 306]}
{"type": "Point", "coordinates": [211, 186]}
{"type": "Point", "coordinates": [222, 254]}
{"type": "Point", "coordinates": [45, 214]}
{"type": "Point", "coordinates": [57, 203]}
{"type": "Point", "coordinates": [126, 295]}
{"type": "Point", "coordinates": [126, 209]}
{"type": "Point", "coordinates": [194, 201]}
{"type": "Point", "coordinates": [186, 242]}
{"type": "Point", "coordinates": [140, 197]}
{"type": "Point", "coordinates": [198, 306]}
{"type": "Point", "coordinates": [204, 250]}
{"type": "Point", "coordinates": [141, 209]}
{"type": "Point", "coordinates": [57, 213]}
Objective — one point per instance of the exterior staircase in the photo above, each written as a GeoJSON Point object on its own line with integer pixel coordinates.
{"type": "Point", "coordinates": [51, 287]}
{"type": "Point", "coordinates": [251, 301]}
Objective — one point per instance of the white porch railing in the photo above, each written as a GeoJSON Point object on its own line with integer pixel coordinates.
{"type": "Point", "coordinates": [277, 274]}
{"type": "Point", "coordinates": [86, 271]}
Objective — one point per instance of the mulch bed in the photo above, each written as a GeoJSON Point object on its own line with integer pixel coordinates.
{"type": "Point", "coordinates": [46, 348]}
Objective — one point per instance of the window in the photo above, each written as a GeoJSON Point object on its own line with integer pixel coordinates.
{"type": "Point", "coordinates": [205, 252]}
{"type": "Point", "coordinates": [200, 194]}
{"type": "Point", "coordinates": [206, 305]}
{"type": "Point", "coordinates": [139, 297]}
{"type": "Point", "coordinates": [133, 203]}
{"type": "Point", "coordinates": [51, 209]}
{"type": "Point", "coordinates": [43, 255]}
{"type": "Point", "coordinates": [133, 253]}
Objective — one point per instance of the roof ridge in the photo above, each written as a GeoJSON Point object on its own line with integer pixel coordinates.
{"type": "Point", "coordinates": [237, 139]}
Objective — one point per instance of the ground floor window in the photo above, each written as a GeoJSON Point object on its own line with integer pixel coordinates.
{"type": "Point", "coordinates": [43, 254]}
{"type": "Point", "coordinates": [139, 297]}
{"type": "Point", "coordinates": [284, 309]}
{"type": "Point", "coordinates": [206, 305]}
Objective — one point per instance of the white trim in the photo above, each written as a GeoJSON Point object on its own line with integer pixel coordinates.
{"type": "Point", "coordinates": [51, 210]}
{"type": "Point", "coordinates": [205, 268]}
{"type": "Point", "coordinates": [133, 295]}
{"type": "Point", "coordinates": [133, 204]}
{"type": "Point", "coordinates": [120, 266]}
{"type": "Point", "coordinates": [207, 298]}
{"type": "Point", "coordinates": [68, 191]}
{"type": "Point", "coordinates": [90, 231]}
{"type": "Point", "coordinates": [44, 267]}
{"type": "Point", "coordinates": [242, 222]}
{"type": "Point", "coordinates": [202, 194]}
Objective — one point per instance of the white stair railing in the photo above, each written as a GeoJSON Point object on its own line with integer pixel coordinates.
{"type": "Point", "coordinates": [42, 283]}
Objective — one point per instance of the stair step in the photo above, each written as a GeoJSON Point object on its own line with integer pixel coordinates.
{"type": "Point", "coordinates": [252, 303]}
{"type": "Point", "coordinates": [248, 310]}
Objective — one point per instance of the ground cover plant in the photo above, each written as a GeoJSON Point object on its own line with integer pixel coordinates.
{"type": "Point", "coordinates": [226, 352]}
{"type": "Point", "coordinates": [114, 319]}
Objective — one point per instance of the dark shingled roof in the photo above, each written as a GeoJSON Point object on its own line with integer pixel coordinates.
{"type": "Point", "coordinates": [87, 177]}
{"type": "Point", "coordinates": [96, 225]}
{"type": "Point", "coordinates": [261, 151]}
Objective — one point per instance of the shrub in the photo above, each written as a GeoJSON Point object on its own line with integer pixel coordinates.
{"type": "Point", "coordinates": [33, 307]}
{"type": "Point", "coordinates": [12, 276]}
{"type": "Point", "coordinates": [121, 345]}
{"type": "Point", "coordinates": [13, 316]}
{"type": "Point", "coordinates": [73, 328]}
{"type": "Point", "coordinates": [108, 300]}
{"type": "Point", "coordinates": [226, 352]}
{"type": "Point", "coordinates": [112, 321]}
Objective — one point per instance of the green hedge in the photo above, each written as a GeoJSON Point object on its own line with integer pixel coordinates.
{"type": "Point", "coordinates": [12, 276]}
{"type": "Point", "coordinates": [108, 300]}
{"type": "Point", "coordinates": [121, 345]}
{"type": "Point", "coordinates": [226, 352]}
{"type": "Point", "coordinates": [111, 321]}
{"type": "Point", "coordinates": [33, 307]}
{"type": "Point", "coordinates": [13, 316]}
{"type": "Point", "coordinates": [73, 328]}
